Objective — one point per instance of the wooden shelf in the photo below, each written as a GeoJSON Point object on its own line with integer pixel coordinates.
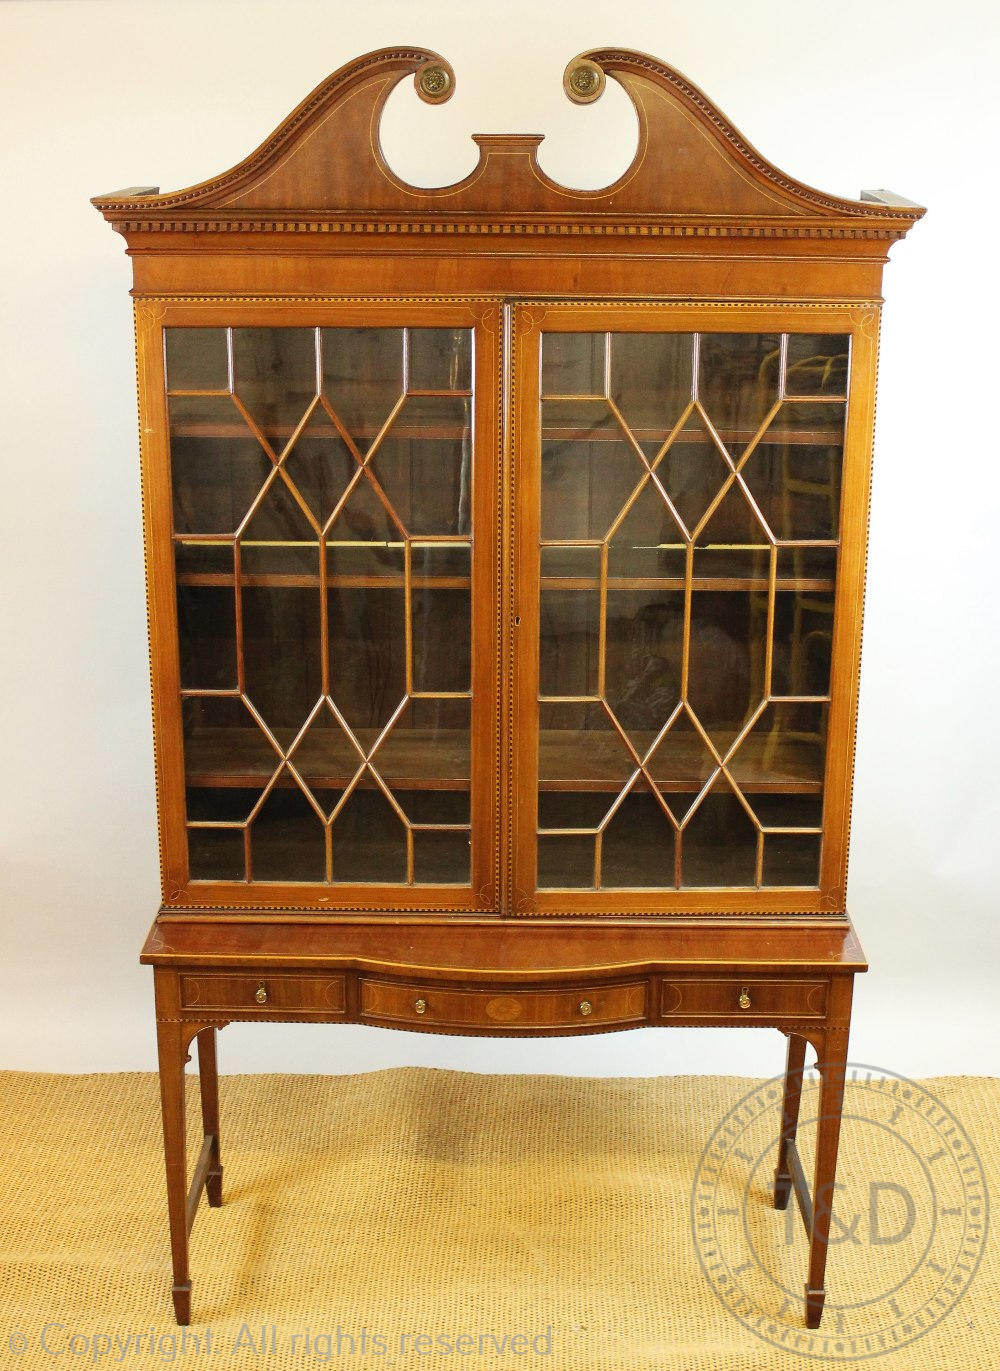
{"type": "Point", "coordinates": [426, 759]}
{"type": "Point", "coordinates": [409, 759]}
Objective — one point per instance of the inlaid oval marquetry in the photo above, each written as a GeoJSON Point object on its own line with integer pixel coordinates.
{"type": "Point", "coordinates": [504, 1008]}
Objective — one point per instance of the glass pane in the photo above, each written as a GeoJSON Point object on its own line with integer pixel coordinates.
{"type": "Point", "coordinates": [274, 377]}
{"type": "Point", "coordinates": [569, 644]}
{"type": "Point", "coordinates": [367, 658]}
{"type": "Point", "coordinates": [738, 375]}
{"type": "Point", "coordinates": [216, 854]}
{"type": "Point", "coordinates": [661, 513]}
{"type": "Point", "coordinates": [719, 842]}
{"type": "Point", "coordinates": [441, 858]}
{"type": "Point", "coordinates": [817, 364]}
{"type": "Point", "coordinates": [565, 863]}
{"type": "Point", "coordinates": [573, 364]}
{"type": "Point", "coordinates": [197, 359]}
{"type": "Point", "coordinates": [369, 840]}
{"type": "Point", "coordinates": [651, 380]}
{"type": "Point", "coordinates": [206, 627]}
{"type": "Point", "coordinates": [424, 465]}
{"type": "Point", "coordinates": [287, 840]}
{"type": "Point", "coordinates": [362, 377]}
{"type": "Point", "coordinates": [217, 466]}
{"type": "Point", "coordinates": [645, 635]}
{"type": "Point", "coordinates": [281, 637]}
{"type": "Point", "coordinates": [322, 509]}
{"type": "Point", "coordinates": [638, 845]}
{"type": "Point", "coordinates": [794, 472]}
{"type": "Point", "coordinates": [439, 359]}
{"type": "Point", "coordinates": [589, 469]}
{"type": "Point", "coordinates": [803, 643]}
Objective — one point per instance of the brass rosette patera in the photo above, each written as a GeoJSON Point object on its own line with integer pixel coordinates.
{"type": "Point", "coordinates": [435, 82]}
{"type": "Point", "coordinates": [583, 80]}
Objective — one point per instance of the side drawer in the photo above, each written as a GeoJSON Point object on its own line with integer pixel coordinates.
{"type": "Point", "coordinates": [263, 994]}
{"type": "Point", "coordinates": [739, 997]}
{"type": "Point", "coordinates": [573, 1008]}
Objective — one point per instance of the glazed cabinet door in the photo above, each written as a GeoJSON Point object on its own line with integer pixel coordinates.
{"type": "Point", "coordinates": [690, 489]}
{"type": "Point", "coordinates": [321, 500]}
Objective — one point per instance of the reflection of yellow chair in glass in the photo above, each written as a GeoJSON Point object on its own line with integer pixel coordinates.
{"type": "Point", "coordinates": [812, 614]}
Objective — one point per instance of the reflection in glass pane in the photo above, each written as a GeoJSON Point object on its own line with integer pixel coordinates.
{"type": "Point", "coordinates": [362, 377]}
{"type": "Point", "coordinates": [367, 659]}
{"type": "Point", "coordinates": [565, 863]}
{"type": "Point", "coordinates": [217, 466]}
{"type": "Point", "coordinates": [569, 646]}
{"type": "Point", "coordinates": [719, 846]}
{"type": "Point", "coordinates": [223, 745]}
{"type": "Point", "coordinates": [803, 643]}
{"type": "Point", "coordinates": [783, 756]}
{"type": "Point", "coordinates": [693, 471]}
{"type": "Point", "coordinates": [206, 627]}
{"type": "Point", "coordinates": [651, 380]}
{"type": "Point", "coordinates": [427, 745]}
{"type": "Point", "coordinates": [638, 846]}
{"type": "Point", "coordinates": [645, 632]}
{"type": "Point", "coordinates": [440, 358]}
{"type": "Point", "coordinates": [287, 840]}
{"type": "Point", "coordinates": [197, 359]}
{"type": "Point", "coordinates": [216, 854]}
{"type": "Point", "coordinates": [579, 752]}
{"type": "Point", "coordinates": [320, 465]}
{"type": "Point", "coordinates": [364, 537]}
{"type": "Point", "coordinates": [279, 538]}
{"type": "Point", "coordinates": [424, 465]}
{"type": "Point", "coordinates": [794, 472]}
{"type": "Point", "coordinates": [369, 841]}
{"type": "Point", "coordinates": [817, 364]}
{"type": "Point", "coordinates": [589, 469]}
{"type": "Point", "coordinates": [738, 376]}
{"type": "Point", "coordinates": [274, 375]}
{"type": "Point", "coordinates": [726, 680]}
{"type": "Point", "coordinates": [792, 859]}
{"type": "Point", "coordinates": [281, 634]}
{"type": "Point", "coordinates": [442, 645]}
{"type": "Point", "coordinates": [648, 542]}
{"type": "Point", "coordinates": [573, 363]}
{"type": "Point", "coordinates": [441, 858]}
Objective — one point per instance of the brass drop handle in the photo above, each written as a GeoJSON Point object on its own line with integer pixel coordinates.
{"type": "Point", "coordinates": [586, 1008]}
{"type": "Point", "coordinates": [421, 1006]}
{"type": "Point", "coordinates": [261, 995]}
{"type": "Point", "coordinates": [744, 998]}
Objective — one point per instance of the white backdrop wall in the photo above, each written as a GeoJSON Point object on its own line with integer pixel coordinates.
{"type": "Point", "coordinates": [107, 93]}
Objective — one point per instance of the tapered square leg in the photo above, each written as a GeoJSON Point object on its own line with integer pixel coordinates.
{"type": "Point", "coordinates": [789, 1117]}
{"type": "Point", "coordinates": [831, 1063]}
{"type": "Point", "coordinates": [172, 1052]}
{"type": "Point", "coordinates": [209, 1083]}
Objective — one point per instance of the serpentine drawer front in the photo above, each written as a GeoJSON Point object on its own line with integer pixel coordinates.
{"type": "Point", "coordinates": [731, 996]}
{"type": "Point", "coordinates": [264, 994]}
{"type": "Point", "coordinates": [431, 1007]}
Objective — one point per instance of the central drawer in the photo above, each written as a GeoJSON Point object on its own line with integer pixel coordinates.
{"type": "Point", "coordinates": [569, 1008]}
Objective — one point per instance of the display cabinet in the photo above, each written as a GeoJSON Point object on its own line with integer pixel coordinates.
{"type": "Point", "coordinates": [505, 551]}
